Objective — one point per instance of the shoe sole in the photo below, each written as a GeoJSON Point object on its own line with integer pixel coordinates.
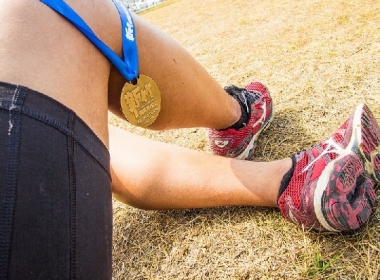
{"type": "Point", "coordinates": [348, 200]}
{"type": "Point", "coordinates": [248, 152]}
{"type": "Point", "coordinates": [344, 194]}
{"type": "Point", "coordinates": [370, 149]}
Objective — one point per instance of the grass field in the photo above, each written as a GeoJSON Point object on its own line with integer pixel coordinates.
{"type": "Point", "coordinates": [319, 59]}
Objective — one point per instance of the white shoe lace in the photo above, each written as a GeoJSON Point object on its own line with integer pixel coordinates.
{"type": "Point", "coordinates": [332, 147]}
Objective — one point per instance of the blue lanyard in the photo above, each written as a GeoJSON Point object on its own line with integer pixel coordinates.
{"type": "Point", "coordinates": [129, 65]}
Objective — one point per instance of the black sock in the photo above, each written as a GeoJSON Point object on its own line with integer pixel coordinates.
{"type": "Point", "coordinates": [245, 106]}
{"type": "Point", "coordinates": [287, 177]}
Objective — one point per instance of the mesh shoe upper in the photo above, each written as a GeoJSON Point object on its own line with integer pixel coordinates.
{"type": "Point", "coordinates": [241, 143]}
{"type": "Point", "coordinates": [330, 189]}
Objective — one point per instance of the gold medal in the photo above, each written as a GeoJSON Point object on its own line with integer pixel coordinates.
{"type": "Point", "coordinates": [141, 102]}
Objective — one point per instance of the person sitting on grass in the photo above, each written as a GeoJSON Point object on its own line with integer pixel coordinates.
{"type": "Point", "coordinates": [64, 64]}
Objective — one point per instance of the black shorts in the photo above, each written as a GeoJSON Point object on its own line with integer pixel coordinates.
{"type": "Point", "coordinates": [55, 191]}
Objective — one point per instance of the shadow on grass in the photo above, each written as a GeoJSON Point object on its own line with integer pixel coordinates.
{"type": "Point", "coordinates": [242, 242]}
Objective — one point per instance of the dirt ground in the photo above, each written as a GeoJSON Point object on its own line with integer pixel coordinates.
{"type": "Point", "coordinates": [319, 59]}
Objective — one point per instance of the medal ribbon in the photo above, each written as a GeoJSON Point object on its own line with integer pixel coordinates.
{"type": "Point", "coordinates": [128, 66]}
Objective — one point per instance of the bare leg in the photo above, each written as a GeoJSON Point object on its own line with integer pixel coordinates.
{"type": "Point", "coordinates": [190, 96]}
{"type": "Point", "coordinates": [165, 176]}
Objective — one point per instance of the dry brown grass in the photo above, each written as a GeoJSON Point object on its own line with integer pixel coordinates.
{"type": "Point", "coordinates": [319, 58]}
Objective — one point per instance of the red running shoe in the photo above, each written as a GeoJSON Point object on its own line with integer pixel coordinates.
{"type": "Point", "coordinates": [241, 143]}
{"type": "Point", "coordinates": [333, 184]}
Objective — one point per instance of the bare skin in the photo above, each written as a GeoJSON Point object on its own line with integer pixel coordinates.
{"type": "Point", "coordinates": [187, 89]}
{"type": "Point", "coordinates": [59, 61]}
{"type": "Point", "coordinates": [184, 178]}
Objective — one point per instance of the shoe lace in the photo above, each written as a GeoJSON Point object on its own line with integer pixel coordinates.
{"type": "Point", "coordinates": [332, 147]}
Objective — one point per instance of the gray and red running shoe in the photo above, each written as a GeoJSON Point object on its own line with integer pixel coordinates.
{"type": "Point", "coordinates": [333, 184]}
{"type": "Point", "coordinates": [241, 143]}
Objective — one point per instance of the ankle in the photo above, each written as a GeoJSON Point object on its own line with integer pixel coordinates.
{"type": "Point", "coordinates": [237, 114]}
{"type": "Point", "coordinates": [286, 178]}
{"type": "Point", "coordinates": [241, 109]}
